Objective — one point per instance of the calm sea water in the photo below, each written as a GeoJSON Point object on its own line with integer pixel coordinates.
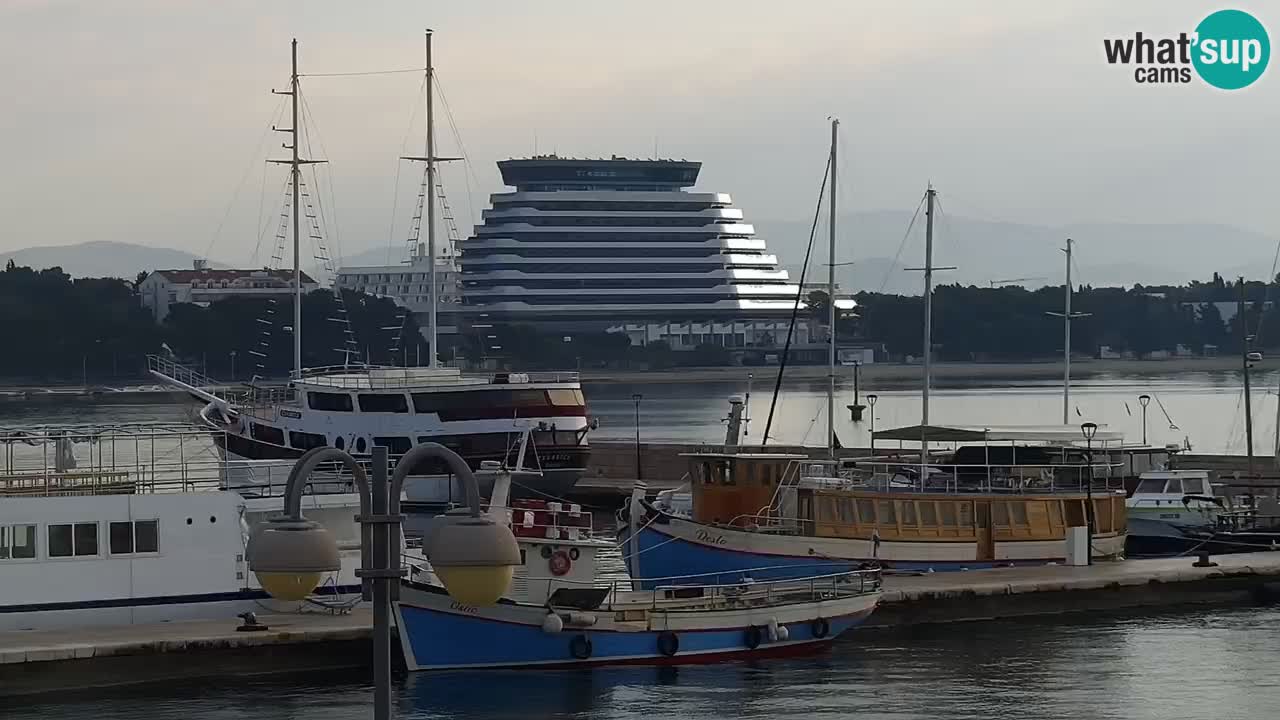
{"type": "Point", "coordinates": [1204, 408]}
{"type": "Point", "coordinates": [1218, 664]}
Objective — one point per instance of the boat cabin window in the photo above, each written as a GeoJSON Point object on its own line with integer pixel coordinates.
{"type": "Point", "coordinates": [1151, 485]}
{"type": "Point", "coordinates": [306, 440]}
{"type": "Point", "coordinates": [266, 433]}
{"type": "Point", "coordinates": [73, 540]}
{"type": "Point", "coordinates": [566, 398]}
{"type": "Point", "coordinates": [723, 473]}
{"type": "Point", "coordinates": [550, 438]}
{"type": "Point", "coordinates": [394, 445]}
{"type": "Point", "coordinates": [329, 402]}
{"type": "Point", "coordinates": [138, 536]}
{"type": "Point", "coordinates": [473, 400]}
{"type": "Point", "coordinates": [382, 403]}
{"type": "Point", "coordinates": [17, 542]}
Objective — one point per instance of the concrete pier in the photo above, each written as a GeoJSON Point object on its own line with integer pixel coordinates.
{"type": "Point", "coordinates": [46, 661]}
{"type": "Point", "coordinates": [81, 658]}
{"type": "Point", "coordinates": [1061, 590]}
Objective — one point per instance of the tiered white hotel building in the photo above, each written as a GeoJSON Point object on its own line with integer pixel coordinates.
{"type": "Point", "coordinates": [621, 245]}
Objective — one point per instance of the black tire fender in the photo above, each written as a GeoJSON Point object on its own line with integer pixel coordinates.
{"type": "Point", "coordinates": [668, 643]}
{"type": "Point", "coordinates": [580, 647]}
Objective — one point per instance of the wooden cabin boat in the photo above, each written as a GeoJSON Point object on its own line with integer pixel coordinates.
{"type": "Point", "coordinates": [784, 512]}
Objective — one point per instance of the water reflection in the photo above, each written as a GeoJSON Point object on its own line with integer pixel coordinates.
{"type": "Point", "coordinates": [1209, 664]}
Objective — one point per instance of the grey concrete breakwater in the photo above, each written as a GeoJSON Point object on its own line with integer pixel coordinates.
{"type": "Point", "coordinates": [46, 661]}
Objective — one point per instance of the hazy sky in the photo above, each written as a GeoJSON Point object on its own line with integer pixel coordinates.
{"type": "Point", "coordinates": [136, 120]}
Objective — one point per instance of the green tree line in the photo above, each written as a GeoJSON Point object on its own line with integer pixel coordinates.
{"type": "Point", "coordinates": [64, 329]}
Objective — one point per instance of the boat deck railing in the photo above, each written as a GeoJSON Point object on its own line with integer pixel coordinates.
{"type": "Point", "coordinates": [730, 589]}
{"type": "Point", "coordinates": [134, 458]}
{"type": "Point", "coordinates": [370, 377]}
{"type": "Point", "coordinates": [879, 476]}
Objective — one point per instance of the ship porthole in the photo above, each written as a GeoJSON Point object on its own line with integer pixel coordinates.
{"type": "Point", "coordinates": [360, 445]}
{"type": "Point", "coordinates": [339, 442]}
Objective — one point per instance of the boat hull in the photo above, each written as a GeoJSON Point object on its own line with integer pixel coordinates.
{"type": "Point", "coordinates": [685, 551]}
{"type": "Point", "coordinates": [437, 633]}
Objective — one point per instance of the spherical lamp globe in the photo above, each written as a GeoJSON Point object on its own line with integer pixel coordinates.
{"type": "Point", "coordinates": [474, 557]}
{"type": "Point", "coordinates": [289, 556]}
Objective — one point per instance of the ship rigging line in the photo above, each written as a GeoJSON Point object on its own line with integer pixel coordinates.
{"type": "Point", "coordinates": [795, 309]}
{"type": "Point", "coordinates": [901, 245]}
{"type": "Point", "coordinates": [472, 181]}
{"type": "Point", "coordinates": [311, 126]}
{"type": "Point", "coordinates": [404, 147]}
{"type": "Point", "coordinates": [235, 195]}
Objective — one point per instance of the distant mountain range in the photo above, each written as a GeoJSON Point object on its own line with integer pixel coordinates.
{"type": "Point", "coordinates": [983, 251]}
{"type": "Point", "coordinates": [103, 259]}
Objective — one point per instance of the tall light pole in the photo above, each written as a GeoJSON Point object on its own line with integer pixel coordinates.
{"type": "Point", "coordinates": [473, 556]}
{"type": "Point", "coordinates": [871, 400]}
{"type": "Point", "coordinates": [1144, 400]}
{"type": "Point", "coordinates": [636, 398]}
{"type": "Point", "coordinates": [1089, 429]}
{"type": "Point", "coordinates": [1247, 359]}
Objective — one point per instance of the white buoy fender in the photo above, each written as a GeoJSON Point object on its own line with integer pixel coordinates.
{"type": "Point", "coordinates": [552, 623]}
{"type": "Point", "coordinates": [772, 629]}
{"type": "Point", "coordinates": [581, 619]}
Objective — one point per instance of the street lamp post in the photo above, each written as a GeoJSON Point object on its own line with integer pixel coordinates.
{"type": "Point", "coordinates": [1144, 400]}
{"type": "Point", "coordinates": [1089, 429]}
{"type": "Point", "coordinates": [233, 365]}
{"type": "Point", "coordinates": [871, 400]}
{"type": "Point", "coordinates": [636, 398]}
{"type": "Point", "coordinates": [472, 555]}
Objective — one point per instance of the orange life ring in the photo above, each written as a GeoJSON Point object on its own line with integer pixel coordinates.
{"type": "Point", "coordinates": [560, 563]}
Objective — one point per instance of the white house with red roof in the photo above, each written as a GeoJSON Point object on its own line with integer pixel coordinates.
{"type": "Point", "coordinates": [163, 289]}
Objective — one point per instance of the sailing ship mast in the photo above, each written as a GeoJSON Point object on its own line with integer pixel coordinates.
{"type": "Point", "coordinates": [295, 164]}
{"type": "Point", "coordinates": [927, 358]}
{"type": "Point", "coordinates": [430, 159]}
{"type": "Point", "coordinates": [1067, 316]}
{"type": "Point", "coordinates": [831, 304]}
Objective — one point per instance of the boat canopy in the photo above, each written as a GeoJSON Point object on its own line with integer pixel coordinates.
{"type": "Point", "coordinates": [1058, 434]}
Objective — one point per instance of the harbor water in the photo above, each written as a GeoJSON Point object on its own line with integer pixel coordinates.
{"type": "Point", "coordinates": [1204, 408]}
{"type": "Point", "coordinates": [1205, 664]}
